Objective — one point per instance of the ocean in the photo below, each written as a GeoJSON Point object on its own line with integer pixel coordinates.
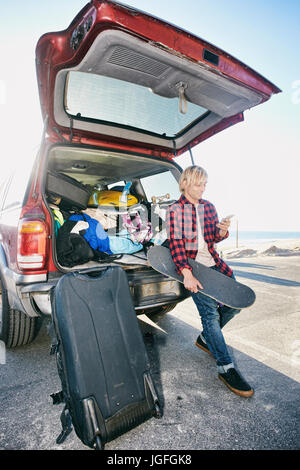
{"type": "Point", "coordinates": [255, 237]}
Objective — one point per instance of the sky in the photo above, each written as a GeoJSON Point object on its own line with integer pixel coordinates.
{"type": "Point", "coordinates": [253, 167]}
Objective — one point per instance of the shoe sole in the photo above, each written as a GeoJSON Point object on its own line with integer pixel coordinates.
{"type": "Point", "coordinates": [203, 348]}
{"type": "Point", "coordinates": [241, 393]}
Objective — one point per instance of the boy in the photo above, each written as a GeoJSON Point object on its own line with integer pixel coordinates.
{"type": "Point", "coordinates": [194, 228]}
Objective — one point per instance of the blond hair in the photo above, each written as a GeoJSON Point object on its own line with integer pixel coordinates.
{"type": "Point", "coordinates": [191, 175]}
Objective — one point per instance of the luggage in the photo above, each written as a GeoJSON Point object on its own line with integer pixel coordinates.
{"type": "Point", "coordinates": [72, 248]}
{"type": "Point", "coordinates": [73, 194]}
{"type": "Point", "coordinates": [101, 357]}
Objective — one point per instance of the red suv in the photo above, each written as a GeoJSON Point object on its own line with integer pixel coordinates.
{"type": "Point", "coordinates": [122, 93]}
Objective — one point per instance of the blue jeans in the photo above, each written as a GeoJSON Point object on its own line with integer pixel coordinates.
{"type": "Point", "coordinates": [214, 318]}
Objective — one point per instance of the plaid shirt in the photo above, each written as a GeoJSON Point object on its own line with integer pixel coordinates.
{"type": "Point", "coordinates": [182, 232]}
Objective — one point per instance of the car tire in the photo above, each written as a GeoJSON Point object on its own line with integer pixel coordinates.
{"type": "Point", "coordinates": [16, 328]}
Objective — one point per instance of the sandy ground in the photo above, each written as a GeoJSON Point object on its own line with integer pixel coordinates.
{"type": "Point", "coordinates": [289, 247]}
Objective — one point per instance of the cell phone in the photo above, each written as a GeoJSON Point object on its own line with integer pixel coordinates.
{"type": "Point", "coordinates": [229, 216]}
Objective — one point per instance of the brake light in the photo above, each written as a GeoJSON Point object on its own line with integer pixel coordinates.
{"type": "Point", "coordinates": [32, 244]}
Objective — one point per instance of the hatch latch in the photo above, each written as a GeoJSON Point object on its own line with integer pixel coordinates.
{"type": "Point", "coordinates": [183, 105]}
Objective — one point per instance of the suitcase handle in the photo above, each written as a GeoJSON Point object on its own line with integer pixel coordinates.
{"type": "Point", "coordinates": [93, 272]}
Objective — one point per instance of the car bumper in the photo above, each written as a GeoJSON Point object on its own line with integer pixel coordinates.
{"type": "Point", "coordinates": [148, 289]}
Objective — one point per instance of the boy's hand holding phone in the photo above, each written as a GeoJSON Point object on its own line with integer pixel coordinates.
{"type": "Point", "coordinates": [224, 224]}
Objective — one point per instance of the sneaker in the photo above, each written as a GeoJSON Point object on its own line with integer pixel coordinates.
{"type": "Point", "coordinates": [202, 345]}
{"type": "Point", "coordinates": [235, 382]}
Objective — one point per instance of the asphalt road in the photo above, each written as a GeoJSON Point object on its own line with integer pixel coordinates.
{"type": "Point", "coordinates": [199, 411]}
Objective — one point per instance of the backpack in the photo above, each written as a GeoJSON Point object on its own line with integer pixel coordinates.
{"type": "Point", "coordinates": [72, 248]}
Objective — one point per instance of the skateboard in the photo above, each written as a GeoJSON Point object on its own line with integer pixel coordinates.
{"type": "Point", "coordinates": [216, 285]}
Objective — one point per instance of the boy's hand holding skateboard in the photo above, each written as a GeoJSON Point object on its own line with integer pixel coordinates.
{"type": "Point", "coordinates": [190, 282]}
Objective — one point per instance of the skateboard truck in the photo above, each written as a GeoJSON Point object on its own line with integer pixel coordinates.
{"type": "Point", "coordinates": [159, 199]}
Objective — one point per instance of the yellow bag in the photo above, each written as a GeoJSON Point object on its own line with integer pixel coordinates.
{"type": "Point", "coordinates": [110, 198]}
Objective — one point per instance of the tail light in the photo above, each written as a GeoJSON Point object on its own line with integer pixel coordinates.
{"type": "Point", "coordinates": [32, 244]}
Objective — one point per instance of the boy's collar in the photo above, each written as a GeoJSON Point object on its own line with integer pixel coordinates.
{"type": "Point", "coordinates": [184, 200]}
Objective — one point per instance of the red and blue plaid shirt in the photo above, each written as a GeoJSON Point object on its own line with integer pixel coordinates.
{"type": "Point", "coordinates": [182, 232]}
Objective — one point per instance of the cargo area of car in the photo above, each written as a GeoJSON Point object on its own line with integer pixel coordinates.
{"type": "Point", "coordinates": [134, 226]}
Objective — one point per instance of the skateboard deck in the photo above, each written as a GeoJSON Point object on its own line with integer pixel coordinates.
{"type": "Point", "coordinates": [216, 285]}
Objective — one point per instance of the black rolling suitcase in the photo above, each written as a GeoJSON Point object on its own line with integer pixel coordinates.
{"type": "Point", "coordinates": [101, 357]}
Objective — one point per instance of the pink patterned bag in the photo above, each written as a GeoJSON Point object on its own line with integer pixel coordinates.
{"type": "Point", "coordinates": [139, 230]}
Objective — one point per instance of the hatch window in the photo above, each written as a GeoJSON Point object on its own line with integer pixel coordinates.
{"type": "Point", "coordinates": [161, 184]}
{"type": "Point", "coordinates": [110, 100]}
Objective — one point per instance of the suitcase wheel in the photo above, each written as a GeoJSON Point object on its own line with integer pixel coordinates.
{"type": "Point", "coordinates": [157, 411]}
{"type": "Point", "coordinates": [98, 443]}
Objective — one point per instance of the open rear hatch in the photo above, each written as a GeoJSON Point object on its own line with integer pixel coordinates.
{"type": "Point", "coordinates": [118, 77]}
